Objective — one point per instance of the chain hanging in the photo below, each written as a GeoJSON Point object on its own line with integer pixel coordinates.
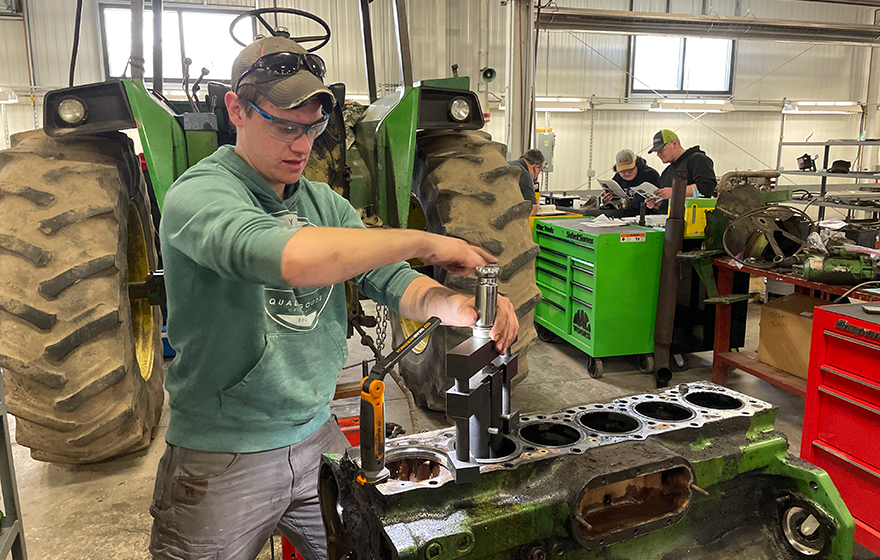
{"type": "Point", "coordinates": [381, 326]}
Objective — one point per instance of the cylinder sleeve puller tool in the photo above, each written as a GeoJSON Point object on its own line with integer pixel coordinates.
{"type": "Point", "coordinates": [479, 399]}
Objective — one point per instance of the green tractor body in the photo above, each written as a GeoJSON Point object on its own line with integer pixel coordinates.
{"type": "Point", "coordinates": [410, 158]}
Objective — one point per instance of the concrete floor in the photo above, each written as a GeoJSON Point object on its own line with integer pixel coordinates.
{"type": "Point", "coordinates": [101, 511]}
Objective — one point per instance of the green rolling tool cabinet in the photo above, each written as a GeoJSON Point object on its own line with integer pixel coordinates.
{"type": "Point", "coordinates": [599, 288]}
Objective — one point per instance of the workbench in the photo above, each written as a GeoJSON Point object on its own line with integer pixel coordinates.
{"type": "Point", "coordinates": [723, 359]}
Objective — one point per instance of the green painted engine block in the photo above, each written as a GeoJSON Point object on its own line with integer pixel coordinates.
{"type": "Point", "coordinates": [696, 471]}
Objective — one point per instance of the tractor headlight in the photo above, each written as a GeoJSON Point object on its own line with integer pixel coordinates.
{"type": "Point", "coordinates": [459, 109]}
{"type": "Point", "coordinates": [72, 111]}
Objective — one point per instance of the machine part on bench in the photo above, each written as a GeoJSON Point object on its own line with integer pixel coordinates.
{"type": "Point", "coordinates": [595, 367]}
{"type": "Point", "coordinates": [692, 471]}
{"type": "Point", "coordinates": [765, 237]}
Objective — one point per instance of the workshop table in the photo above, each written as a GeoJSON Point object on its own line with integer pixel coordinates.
{"type": "Point", "coordinates": [723, 359]}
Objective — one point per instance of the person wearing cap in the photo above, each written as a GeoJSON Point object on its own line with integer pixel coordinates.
{"type": "Point", "coordinates": [631, 171]}
{"type": "Point", "coordinates": [530, 165]}
{"type": "Point", "coordinates": [255, 258]}
{"type": "Point", "coordinates": [700, 169]}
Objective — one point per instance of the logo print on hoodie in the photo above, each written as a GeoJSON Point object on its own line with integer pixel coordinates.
{"type": "Point", "coordinates": [296, 309]}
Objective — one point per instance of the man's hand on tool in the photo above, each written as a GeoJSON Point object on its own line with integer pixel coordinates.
{"type": "Point", "coordinates": [454, 255]}
{"type": "Point", "coordinates": [425, 298]}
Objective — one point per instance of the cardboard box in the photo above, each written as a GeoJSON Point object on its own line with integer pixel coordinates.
{"type": "Point", "coordinates": [786, 327]}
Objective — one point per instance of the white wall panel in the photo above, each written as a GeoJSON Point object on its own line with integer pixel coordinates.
{"type": "Point", "coordinates": [13, 56]}
{"type": "Point", "coordinates": [51, 28]}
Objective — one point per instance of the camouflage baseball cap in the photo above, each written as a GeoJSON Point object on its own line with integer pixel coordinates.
{"type": "Point", "coordinates": [283, 91]}
{"type": "Point", "coordinates": [662, 138]}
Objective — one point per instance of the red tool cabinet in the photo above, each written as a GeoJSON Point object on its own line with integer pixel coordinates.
{"type": "Point", "coordinates": [842, 413]}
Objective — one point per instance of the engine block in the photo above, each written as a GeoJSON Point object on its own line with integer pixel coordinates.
{"type": "Point", "coordinates": [693, 471]}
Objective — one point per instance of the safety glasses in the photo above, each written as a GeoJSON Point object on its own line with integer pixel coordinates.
{"type": "Point", "coordinates": [289, 131]}
{"type": "Point", "coordinates": [282, 64]}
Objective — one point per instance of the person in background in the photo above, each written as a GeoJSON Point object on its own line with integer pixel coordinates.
{"type": "Point", "coordinates": [531, 164]}
{"type": "Point", "coordinates": [632, 171]}
{"type": "Point", "coordinates": [701, 180]}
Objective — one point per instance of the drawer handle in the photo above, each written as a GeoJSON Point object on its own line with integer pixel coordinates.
{"type": "Point", "coordinates": [551, 263]}
{"type": "Point", "coordinates": [552, 274]}
{"type": "Point", "coordinates": [553, 303]}
{"type": "Point", "coordinates": [582, 302]}
{"type": "Point", "coordinates": [579, 285]}
{"type": "Point", "coordinates": [845, 459]}
{"type": "Point", "coordinates": [585, 271]}
{"type": "Point", "coordinates": [563, 255]}
{"type": "Point", "coordinates": [852, 340]}
{"type": "Point", "coordinates": [827, 369]}
{"type": "Point", "coordinates": [850, 401]}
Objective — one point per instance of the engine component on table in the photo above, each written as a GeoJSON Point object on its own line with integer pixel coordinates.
{"type": "Point", "coordinates": [695, 471]}
{"type": "Point", "coordinates": [764, 180]}
{"type": "Point", "coordinates": [766, 236]}
{"type": "Point", "coordinates": [839, 267]}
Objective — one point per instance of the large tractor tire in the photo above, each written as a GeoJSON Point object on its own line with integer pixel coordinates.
{"type": "Point", "coordinates": [467, 190]}
{"type": "Point", "coordinates": [82, 362]}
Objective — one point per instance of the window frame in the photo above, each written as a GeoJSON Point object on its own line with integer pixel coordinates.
{"type": "Point", "coordinates": [179, 9]}
{"type": "Point", "coordinates": [632, 90]}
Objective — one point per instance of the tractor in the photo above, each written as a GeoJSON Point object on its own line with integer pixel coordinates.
{"type": "Point", "coordinates": [80, 336]}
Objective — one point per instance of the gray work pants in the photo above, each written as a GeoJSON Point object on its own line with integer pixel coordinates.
{"type": "Point", "coordinates": [219, 506]}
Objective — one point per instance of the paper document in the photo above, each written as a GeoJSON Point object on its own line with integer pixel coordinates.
{"type": "Point", "coordinates": [647, 191]}
{"type": "Point", "coordinates": [604, 221]}
{"type": "Point", "coordinates": [611, 186]}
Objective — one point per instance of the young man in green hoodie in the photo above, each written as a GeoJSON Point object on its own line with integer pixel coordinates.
{"type": "Point", "coordinates": [255, 256]}
{"type": "Point", "coordinates": [700, 169]}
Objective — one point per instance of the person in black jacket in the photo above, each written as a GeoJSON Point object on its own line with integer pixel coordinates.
{"type": "Point", "coordinates": [530, 164]}
{"type": "Point", "coordinates": [701, 181]}
{"type": "Point", "coordinates": [632, 171]}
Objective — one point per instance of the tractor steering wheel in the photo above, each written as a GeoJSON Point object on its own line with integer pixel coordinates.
{"type": "Point", "coordinates": [324, 39]}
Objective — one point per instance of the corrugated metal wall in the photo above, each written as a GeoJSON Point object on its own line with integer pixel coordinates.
{"type": "Point", "coordinates": [446, 32]}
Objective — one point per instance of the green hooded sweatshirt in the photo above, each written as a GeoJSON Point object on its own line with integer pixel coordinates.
{"type": "Point", "coordinates": [257, 360]}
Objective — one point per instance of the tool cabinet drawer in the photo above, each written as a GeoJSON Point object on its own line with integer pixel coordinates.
{"type": "Point", "coordinates": [849, 384]}
{"type": "Point", "coordinates": [858, 483]}
{"type": "Point", "coordinates": [551, 278]}
{"type": "Point", "coordinates": [580, 249]}
{"type": "Point", "coordinates": [850, 355]}
{"type": "Point", "coordinates": [556, 316]}
{"type": "Point", "coordinates": [850, 425]}
{"type": "Point", "coordinates": [551, 258]}
{"type": "Point", "coordinates": [583, 273]}
{"type": "Point", "coordinates": [555, 297]}
{"type": "Point", "coordinates": [583, 293]}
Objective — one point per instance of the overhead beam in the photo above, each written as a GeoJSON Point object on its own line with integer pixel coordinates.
{"type": "Point", "coordinates": [718, 27]}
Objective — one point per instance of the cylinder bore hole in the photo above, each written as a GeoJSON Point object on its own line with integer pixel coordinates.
{"type": "Point", "coordinates": [415, 469]}
{"type": "Point", "coordinates": [718, 401]}
{"type": "Point", "coordinates": [667, 411]}
{"type": "Point", "coordinates": [610, 422]}
{"type": "Point", "coordinates": [549, 434]}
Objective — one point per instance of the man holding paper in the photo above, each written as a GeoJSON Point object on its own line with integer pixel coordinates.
{"type": "Point", "coordinates": [701, 181]}
{"type": "Point", "coordinates": [632, 171]}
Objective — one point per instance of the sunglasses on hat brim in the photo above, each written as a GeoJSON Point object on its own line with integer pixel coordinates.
{"type": "Point", "coordinates": [282, 64]}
